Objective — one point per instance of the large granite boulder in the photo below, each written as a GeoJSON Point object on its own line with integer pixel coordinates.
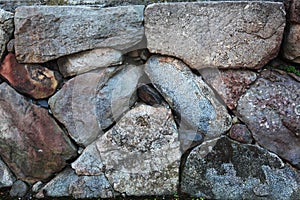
{"type": "Point", "coordinates": [44, 33]}
{"type": "Point", "coordinates": [189, 96]}
{"type": "Point", "coordinates": [216, 34]}
{"type": "Point", "coordinates": [224, 169]}
{"type": "Point", "coordinates": [271, 110]}
{"type": "Point", "coordinates": [92, 102]}
{"type": "Point", "coordinates": [6, 29]}
{"type": "Point", "coordinates": [31, 143]}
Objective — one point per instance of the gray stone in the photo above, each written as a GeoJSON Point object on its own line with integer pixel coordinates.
{"type": "Point", "coordinates": [224, 169]}
{"type": "Point", "coordinates": [240, 133]}
{"type": "Point", "coordinates": [37, 186]}
{"type": "Point", "coordinates": [141, 153]}
{"type": "Point", "coordinates": [6, 177]}
{"type": "Point", "coordinates": [19, 189]}
{"type": "Point", "coordinates": [92, 102]}
{"type": "Point", "coordinates": [67, 183]}
{"type": "Point", "coordinates": [216, 34]}
{"type": "Point", "coordinates": [291, 44]}
{"type": "Point", "coordinates": [11, 46]}
{"type": "Point", "coordinates": [44, 33]}
{"type": "Point", "coordinates": [89, 60]}
{"type": "Point", "coordinates": [189, 96]}
{"type": "Point", "coordinates": [270, 109]}
{"type": "Point", "coordinates": [31, 143]}
{"type": "Point", "coordinates": [6, 29]}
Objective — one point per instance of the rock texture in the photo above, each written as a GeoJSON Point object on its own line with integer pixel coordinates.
{"type": "Point", "coordinates": [48, 32]}
{"type": "Point", "coordinates": [33, 80]}
{"type": "Point", "coordinates": [270, 108]}
{"type": "Point", "coordinates": [6, 29]}
{"type": "Point", "coordinates": [6, 177]}
{"type": "Point", "coordinates": [67, 183]}
{"type": "Point", "coordinates": [240, 133]}
{"type": "Point", "coordinates": [291, 45]}
{"type": "Point", "coordinates": [92, 102]}
{"type": "Point", "coordinates": [229, 84]}
{"type": "Point", "coordinates": [216, 34]}
{"type": "Point", "coordinates": [223, 169]}
{"type": "Point", "coordinates": [189, 96]}
{"type": "Point", "coordinates": [89, 60]}
{"type": "Point", "coordinates": [19, 189]}
{"type": "Point", "coordinates": [31, 143]}
{"type": "Point", "coordinates": [141, 153]}
{"type": "Point", "coordinates": [294, 11]}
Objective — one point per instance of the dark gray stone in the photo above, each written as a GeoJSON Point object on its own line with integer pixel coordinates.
{"type": "Point", "coordinates": [19, 189]}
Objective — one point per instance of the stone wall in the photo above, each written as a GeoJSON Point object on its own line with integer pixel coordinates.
{"type": "Point", "coordinates": [136, 98]}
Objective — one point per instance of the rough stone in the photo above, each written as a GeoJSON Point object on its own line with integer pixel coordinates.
{"type": "Point", "coordinates": [89, 60]}
{"type": "Point", "coordinates": [216, 34]}
{"type": "Point", "coordinates": [149, 95]}
{"type": "Point", "coordinates": [189, 96]}
{"type": "Point", "coordinates": [11, 46]}
{"type": "Point", "coordinates": [240, 133]}
{"type": "Point", "coordinates": [33, 80]}
{"type": "Point", "coordinates": [6, 29]}
{"type": "Point", "coordinates": [229, 84]}
{"type": "Point", "coordinates": [44, 33]}
{"type": "Point", "coordinates": [141, 153]}
{"type": "Point", "coordinates": [19, 189]}
{"type": "Point", "coordinates": [294, 11]}
{"type": "Point", "coordinates": [291, 44]}
{"type": "Point", "coordinates": [67, 183]}
{"type": "Point", "coordinates": [6, 177]}
{"type": "Point", "coordinates": [224, 169]}
{"type": "Point", "coordinates": [31, 143]}
{"type": "Point", "coordinates": [92, 102]}
{"type": "Point", "coordinates": [270, 109]}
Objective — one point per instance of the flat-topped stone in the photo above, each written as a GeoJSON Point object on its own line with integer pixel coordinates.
{"type": "Point", "coordinates": [216, 34]}
{"type": "Point", "coordinates": [44, 33]}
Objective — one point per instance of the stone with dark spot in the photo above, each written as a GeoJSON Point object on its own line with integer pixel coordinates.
{"type": "Point", "coordinates": [270, 109]}
{"type": "Point", "coordinates": [240, 133]}
{"type": "Point", "coordinates": [149, 95]}
{"type": "Point", "coordinates": [229, 84]}
{"type": "Point", "coordinates": [33, 80]}
{"type": "Point", "coordinates": [31, 143]}
{"type": "Point", "coordinates": [224, 169]}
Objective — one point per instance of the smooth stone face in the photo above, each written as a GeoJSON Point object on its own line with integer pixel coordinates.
{"type": "Point", "coordinates": [216, 34]}
{"type": "Point", "coordinates": [31, 143]}
{"type": "Point", "coordinates": [6, 177]}
{"type": "Point", "coordinates": [19, 189]}
{"type": "Point", "coordinates": [271, 110]}
{"type": "Point", "coordinates": [34, 80]}
{"type": "Point", "coordinates": [224, 169]}
{"type": "Point", "coordinates": [89, 60]}
{"type": "Point", "coordinates": [229, 84]}
{"type": "Point", "coordinates": [141, 153]}
{"type": "Point", "coordinates": [44, 33]}
{"type": "Point", "coordinates": [68, 184]}
{"type": "Point", "coordinates": [92, 102]}
{"type": "Point", "coordinates": [291, 44]}
{"type": "Point", "coordinates": [6, 29]}
{"type": "Point", "coordinates": [189, 96]}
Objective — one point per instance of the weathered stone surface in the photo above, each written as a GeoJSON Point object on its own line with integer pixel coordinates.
{"type": "Point", "coordinates": [11, 46]}
{"type": "Point", "coordinates": [223, 169]}
{"type": "Point", "coordinates": [33, 80]}
{"type": "Point", "coordinates": [149, 95]}
{"type": "Point", "coordinates": [48, 32]}
{"type": "Point", "coordinates": [93, 101]}
{"type": "Point", "coordinates": [229, 84]}
{"type": "Point", "coordinates": [67, 183]}
{"type": "Point", "coordinates": [6, 29]}
{"type": "Point", "coordinates": [19, 189]}
{"type": "Point", "coordinates": [291, 44]}
{"type": "Point", "coordinates": [240, 133]}
{"type": "Point", "coordinates": [216, 34]}
{"type": "Point", "coordinates": [189, 96]}
{"type": "Point", "coordinates": [270, 109]}
{"type": "Point", "coordinates": [141, 153]}
{"type": "Point", "coordinates": [31, 143]}
{"type": "Point", "coordinates": [6, 177]}
{"type": "Point", "coordinates": [89, 60]}
{"type": "Point", "coordinates": [294, 11]}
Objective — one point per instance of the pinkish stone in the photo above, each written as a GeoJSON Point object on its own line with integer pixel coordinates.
{"type": "Point", "coordinates": [240, 133]}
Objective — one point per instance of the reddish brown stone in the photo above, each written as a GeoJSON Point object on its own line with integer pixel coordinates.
{"type": "Point", "coordinates": [31, 143]}
{"type": "Point", "coordinates": [240, 133]}
{"type": "Point", "coordinates": [230, 84]}
{"type": "Point", "coordinates": [294, 11]}
{"type": "Point", "coordinates": [33, 80]}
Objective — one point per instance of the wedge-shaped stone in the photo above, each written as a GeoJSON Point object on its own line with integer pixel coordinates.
{"type": "Point", "coordinates": [6, 177]}
{"type": "Point", "coordinates": [6, 29]}
{"type": "Point", "coordinates": [44, 33]}
{"type": "Point", "coordinates": [31, 143]}
{"type": "Point", "coordinates": [216, 34]}
{"type": "Point", "coordinates": [189, 96]}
